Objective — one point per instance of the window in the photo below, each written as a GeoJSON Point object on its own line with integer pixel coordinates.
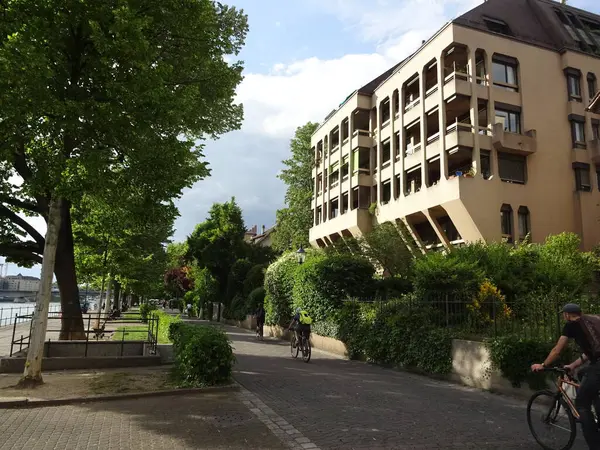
{"type": "Point", "coordinates": [486, 166]}
{"type": "Point", "coordinates": [512, 168]}
{"type": "Point", "coordinates": [497, 26]}
{"type": "Point", "coordinates": [345, 167]}
{"type": "Point", "coordinates": [595, 130]}
{"type": "Point", "coordinates": [504, 71]}
{"type": "Point", "coordinates": [524, 225]}
{"type": "Point", "coordinates": [573, 83]}
{"type": "Point", "coordinates": [592, 87]}
{"type": "Point", "coordinates": [582, 177]}
{"type": "Point", "coordinates": [511, 120]}
{"type": "Point", "coordinates": [577, 131]}
{"type": "Point", "coordinates": [506, 222]}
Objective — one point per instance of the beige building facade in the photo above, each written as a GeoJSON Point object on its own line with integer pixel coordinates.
{"type": "Point", "coordinates": [487, 132]}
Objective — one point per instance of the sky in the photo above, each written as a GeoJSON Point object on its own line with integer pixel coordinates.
{"type": "Point", "coordinates": [301, 59]}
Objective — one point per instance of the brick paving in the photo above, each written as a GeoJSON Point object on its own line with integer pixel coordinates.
{"type": "Point", "coordinates": [202, 421]}
{"type": "Point", "coordinates": [339, 404]}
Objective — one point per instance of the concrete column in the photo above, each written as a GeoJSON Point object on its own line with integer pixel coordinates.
{"type": "Point", "coordinates": [340, 158]}
{"type": "Point", "coordinates": [423, 125]}
{"type": "Point", "coordinates": [402, 144]}
{"type": "Point", "coordinates": [442, 120]}
{"type": "Point", "coordinates": [379, 151]}
{"type": "Point", "coordinates": [437, 228]}
{"type": "Point", "coordinates": [414, 235]}
{"type": "Point", "coordinates": [491, 112]}
{"type": "Point", "coordinates": [392, 143]}
{"type": "Point", "coordinates": [476, 156]}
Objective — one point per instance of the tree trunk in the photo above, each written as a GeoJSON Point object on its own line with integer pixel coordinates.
{"type": "Point", "coordinates": [117, 295]}
{"type": "Point", "coordinates": [107, 302]}
{"type": "Point", "coordinates": [71, 327]}
{"type": "Point", "coordinates": [32, 375]}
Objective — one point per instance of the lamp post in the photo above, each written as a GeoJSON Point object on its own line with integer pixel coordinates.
{"type": "Point", "coordinates": [300, 255]}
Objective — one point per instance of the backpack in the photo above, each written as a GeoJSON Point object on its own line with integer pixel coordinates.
{"type": "Point", "coordinates": [590, 324]}
{"type": "Point", "coordinates": [305, 318]}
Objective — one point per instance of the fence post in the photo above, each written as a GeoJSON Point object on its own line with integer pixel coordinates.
{"type": "Point", "coordinates": [13, 336]}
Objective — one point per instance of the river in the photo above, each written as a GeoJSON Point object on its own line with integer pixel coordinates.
{"type": "Point", "coordinates": [8, 310]}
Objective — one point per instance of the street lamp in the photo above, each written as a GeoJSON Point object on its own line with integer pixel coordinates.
{"type": "Point", "coordinates": [300, 255]}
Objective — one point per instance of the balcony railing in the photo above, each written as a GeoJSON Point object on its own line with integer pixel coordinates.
{"type": "Point", "coordinates": [412, 149]}
{"type": "Point", "coordinates": [459, 126]}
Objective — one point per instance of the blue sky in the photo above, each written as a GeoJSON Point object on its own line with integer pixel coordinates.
{"type": "Point", "coordinates": [302, 58]}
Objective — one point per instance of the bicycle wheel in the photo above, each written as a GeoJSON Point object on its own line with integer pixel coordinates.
{"type": "Point", "coordinates": [306, 350]}
{"type": "Point", "coordinates": [550, 421]}
{"type": "Point", "coordinates": [294, 350]}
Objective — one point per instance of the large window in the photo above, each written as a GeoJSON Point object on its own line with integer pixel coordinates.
{"type": "Point", "coordinates": [573, 83]}
{"type": "Point", "coordinates": [592, 86]}
{"type": "Point", "coordinates": [511, 120]}
{"type": "Point", "coordinates": [512, 168]}
{"type": "Point", "coordinates": [595, 130]}
{"type": "Point", "coordinates": [504, 71]}
{"type": "Point", "coordinates": [506, 222]}
{"type": "Point", "coordinates": [582, 177]}
{"type": "Point", "coordinates": [578, 131]}
{"type": "Point", "coordinates": [524, 223]}
{"type": "Point", "coordinates": [486, 164]}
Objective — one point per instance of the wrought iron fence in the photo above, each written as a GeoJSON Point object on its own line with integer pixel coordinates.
{"type": "Point", "coordinates": [19, 314]}
{"type": "Point", "coordinates": [534, 317]}
{"type": "Point", "coordinates": [96, 328]}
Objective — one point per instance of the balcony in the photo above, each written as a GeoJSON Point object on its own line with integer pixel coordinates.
{"type": "Point", "coordinates": [362, 139]}
{"type": "Point", "coordinates": [518, 144]}
{"type": "Point", "coordinates": [594, 146]}
{"type": "Point", "coordinates": [459, 134]}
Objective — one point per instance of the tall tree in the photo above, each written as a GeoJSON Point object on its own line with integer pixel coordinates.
{"type": "Point", "coordinates": [218, 243]}
{"type": "Point", "coordinates": [294, 221]}
{"type": "Point", "coordinates": [117, 95]}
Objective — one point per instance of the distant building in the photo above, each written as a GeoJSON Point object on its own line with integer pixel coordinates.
{"type": "Point", "coordinates": [19, 283]}
{"type": "Point", "coordinates": [265, 239]}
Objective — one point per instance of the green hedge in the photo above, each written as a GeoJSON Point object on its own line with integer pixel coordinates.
{"type": "Point", "coordinates": [279, 283]}
{"type": "Point", "coordinates": [146, 309]}
{"type": "Point", "coordinates": [255, 299]}
{"type": "Point", "coordinates": [164, 323]}
{"type": "Point", "coordinates": [255, 278]}
{"type": "Point", "coordinates": [203, 355]}
{"type": "Point", "coordinates": [322, 284]}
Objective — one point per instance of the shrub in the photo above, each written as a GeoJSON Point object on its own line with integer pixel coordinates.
{"type": "Point", "coordinates": [164, 324]}
{"type": "Point", "coordinates": [146, 309]}
{"type": "Point", "coordinates": [203, 355]}
{"type": "Point", "coordinates": [255, 299]}
{"type": "Point", "coordinates": [322, 284]}
{"type": "Point", "coordinates": [279, 283]}
{"type": "Point", "coordinates": [235, 279]}
{"type": "Point", "coordinates": [513, 356]}
{"type": "Point", "coordinates": [237, 310]}
{"type": "Point", "coordinates": [391, 287]}
{"type": "Point", "coordinates": [255, 278]}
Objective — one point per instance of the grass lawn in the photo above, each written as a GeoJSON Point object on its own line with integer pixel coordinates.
{"type": "Point", "coordinates": [137, 333]}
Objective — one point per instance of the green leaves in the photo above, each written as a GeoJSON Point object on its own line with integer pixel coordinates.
{"type": "Point", "coordinates": [294, 221]}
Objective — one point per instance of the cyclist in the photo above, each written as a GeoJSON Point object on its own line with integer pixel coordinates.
{"type": "Point", "coordinates": [260, 319]}
{"type": "Point", "coordinates": [584, 331]}
{"type": "Point", "coordinates": [300, 324]}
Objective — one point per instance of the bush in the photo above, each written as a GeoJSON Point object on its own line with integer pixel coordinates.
{"type": "Point", "coordinates": [323, 283]}
{"type": "Point", "coordinates": [255, 278]}
{"type": "Point", "coordinates": [203, 355]}
{"type": "Point", "coordinates": [255, 299]}
{"type": "Point", "coordinates": [164, 324]}
{"type": "Point", "coordinates": [237, 310]}
{"type": "Point", "coordinates": [279, 283]}
{"type": "Point", "coordinates": [513, 356]}
{"type": "Point", "coordinates": [236, 278]}
{"type": "Point", "coordinates": [391, 287]}
{"type": "Point", "coordinates": [146, 309]}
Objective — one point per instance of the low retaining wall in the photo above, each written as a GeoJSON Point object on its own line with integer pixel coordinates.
{"type": "Point", "coordinates": [63, 355]}
{"type": "Point", "coordinates": [471, 362]}
{"type": "Point", "coordinates": [248, 324]}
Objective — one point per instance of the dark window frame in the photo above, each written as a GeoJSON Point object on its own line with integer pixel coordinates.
{"type": "Point", "coordinates": [502, 156]}
{"type": "Point", "coordinates": [506, 62]}
{"type": "Point", "coordinates": [523, 219]}
{"type": "Point", "coordinates": [577, 121]}
{"type": "Point", "coordinates": [572, 74]}
{"type": "Point", "coordinates": [497, 26]}
{"type": "Point", "coordinates": [507, 222]}
{"type": "Point", "coordinates": [509, 113]}
{"type": "Point", "coordinates": [580, 183]}
{"type": "Point", "coordinates": [592, 83]}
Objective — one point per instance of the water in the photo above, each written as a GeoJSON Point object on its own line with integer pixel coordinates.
{"type": "Point", "coordinates": [8, 310]}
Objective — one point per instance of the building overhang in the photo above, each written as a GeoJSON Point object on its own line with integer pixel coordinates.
{"type": "Point", "coordinates": [594, 105]}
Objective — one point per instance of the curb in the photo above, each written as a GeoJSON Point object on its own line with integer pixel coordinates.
{"type": "Point", "coordinates": [14, 404]}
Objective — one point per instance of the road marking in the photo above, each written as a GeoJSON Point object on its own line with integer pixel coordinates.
{"type": "Point", "coordinates": [286, 433]}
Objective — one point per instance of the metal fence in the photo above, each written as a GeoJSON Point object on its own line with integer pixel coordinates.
{"type": "Point", "coordinates": [534, 317]}
{"type": "Point", "coordinates": [19, 314]}
{"type": "Point", "coordinates": [95, 329]}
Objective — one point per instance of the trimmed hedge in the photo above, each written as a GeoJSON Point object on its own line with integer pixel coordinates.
{"type": "Point", "coordinates": [279, 283]}
{"type": "Point", "coordinates": [255, 299]}
{"type": "Point", "coordinates": [164, 325]}
{"type": "Point", "coordinates": [146, 309]}
{"type": "Point", "coordinates": [254, 279]}
{"type": "Point", "coordinates": [203, 355]}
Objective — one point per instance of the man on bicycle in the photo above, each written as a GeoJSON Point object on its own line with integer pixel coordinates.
{"type": "Point", "coordinates": [300, 324]}
{"type": "Point", "coordinates": [585, 330]}
{"type": "Point", "coordinates": [260, 319]}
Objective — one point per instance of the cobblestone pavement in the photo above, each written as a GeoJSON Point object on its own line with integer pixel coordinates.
{"type": "Point", "coordinates": [339, 404]}
{"type": "Point", "coordinates": [202, 421]}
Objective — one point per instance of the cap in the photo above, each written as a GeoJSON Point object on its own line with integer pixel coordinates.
{"type": "Point", "coordinates": [571, 308]}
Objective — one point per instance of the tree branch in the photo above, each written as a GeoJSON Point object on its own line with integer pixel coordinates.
{"type": "Point", "coordinates": [20, 204]}
{"type": "Point", "coordinates": [25, 250]}
{"type": "Point", "coordinates": [37, 237]}
{"type": "Point", "coordinates": [20, 165]}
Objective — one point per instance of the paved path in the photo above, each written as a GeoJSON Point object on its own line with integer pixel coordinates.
{"type": "Point", "coordinates": [339, 404]}
{"type": "Point", "coordinates": [203, 421]}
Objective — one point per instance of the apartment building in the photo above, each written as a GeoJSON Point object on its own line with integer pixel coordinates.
{"type": "Point", "coordinates": [489, 131]}
{"type": "Point", "coordinates": [19, 283]}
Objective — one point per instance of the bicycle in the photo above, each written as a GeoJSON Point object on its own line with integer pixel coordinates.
{"type": "Point", "coordinates": [304, 346]}
{"type": "Point", "coordinates": [558, 411]}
